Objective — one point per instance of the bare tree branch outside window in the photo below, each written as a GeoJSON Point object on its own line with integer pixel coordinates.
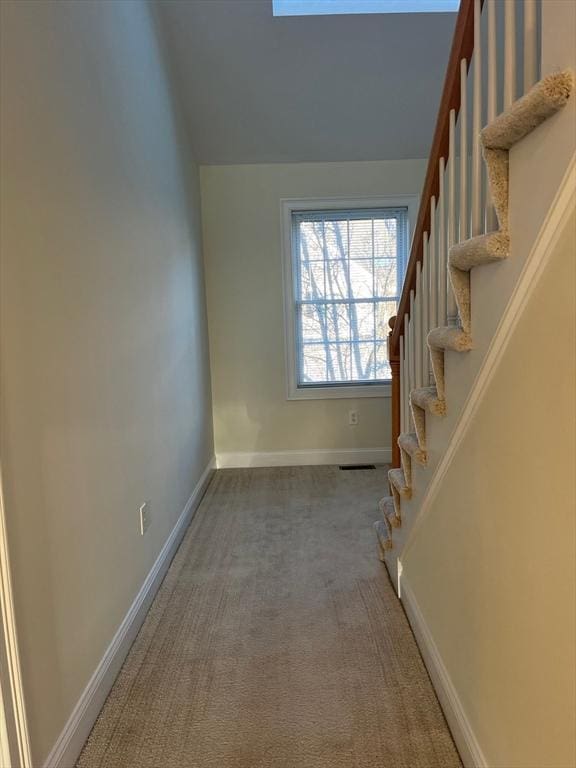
{"type": "Point", "coordinates": [349, 271]}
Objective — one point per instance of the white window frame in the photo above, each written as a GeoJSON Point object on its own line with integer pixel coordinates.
{"type": "Point", "coordinates": [288, 207]}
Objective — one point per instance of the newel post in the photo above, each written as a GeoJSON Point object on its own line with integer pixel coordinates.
{"type": "Point", "coordinates": [394, 360]}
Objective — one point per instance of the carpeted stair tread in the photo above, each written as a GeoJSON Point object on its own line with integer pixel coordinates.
{"type": "Point", "coordinates": [388, 512]}
{"type": "Point", "coordinates": [383, 536]}
{"type": "Point", "coordinates": [422, 400]}
{"type": "Point", "coordinates": [398, 482]}
{"type": "Point", "coordinates": [439, 340]}
{"type": "Point", "coordinates": [406, 464]}
{"type": "Point", "coordinates": [427, 399]}
{"type": "Point", "coordinates": [483, 249]}
{"type": "Point", "coordinates": [544, 99]}
{"type": "Point", "coordinates": [409, 449]}
{"type": "Point", "coordinates": [408, 442]}
{"type": "Point", "coordinates": [449, 337]}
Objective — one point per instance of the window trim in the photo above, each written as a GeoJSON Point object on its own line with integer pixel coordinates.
{"type": "Point", "coordinates": [288, 206]}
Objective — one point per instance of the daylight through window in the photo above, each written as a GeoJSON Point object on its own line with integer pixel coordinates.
{"type": "Point", "coordinates": [331, 7]}
{"type": "Point", "coordinates": [348, 268]}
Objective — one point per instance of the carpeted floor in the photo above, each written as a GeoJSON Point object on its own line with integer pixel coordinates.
{"type": "Point", "coordinates": [275, 641]}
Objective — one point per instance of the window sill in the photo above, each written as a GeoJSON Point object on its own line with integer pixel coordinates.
{"type": "Point", "coordinates": [333, 393]}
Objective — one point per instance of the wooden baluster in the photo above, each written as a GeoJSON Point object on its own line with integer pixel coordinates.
{"type": "Point", "coordinates": [407, 369]}
{"type": "Point", "coordinates": [412, 338]}
{"type": "Point", "coordinates": [406, 384]}
{"type": "Point", "coordinates": [463, 218]}
{"type": "Point", "coordinates": [451, 308]}
{"type": "Point", "coordinates": [418, 375]}
{"type": "Point", "coordinates": [477, 218]}
{"type": "Point", "coordinates": [530, 45]}
{"type": "Point", "coordinates": [402, 390]}
{"type": "Point", "coordinates": [441, 253]}
{"type": "Point", "coordinates": [492, 69]}
{"type": "Point", "coordinates": [433, 269]}
{"type": "Point", "coordinates": [509, 52]}
{"type": "Point", "coordinates": [395, 400]}
{"type": "Point", "coordinates": [490, 223]}
{"type": "Point", "coordinates": [425, 315]}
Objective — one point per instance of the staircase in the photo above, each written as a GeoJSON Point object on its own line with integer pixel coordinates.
{"type": "Point", "coordinates": [435, 320]}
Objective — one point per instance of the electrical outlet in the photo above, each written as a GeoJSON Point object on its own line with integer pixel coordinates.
{"type": "Point", "coordinates": [352, 418]}
{"type": "Point", "coordinates": [144, 517]}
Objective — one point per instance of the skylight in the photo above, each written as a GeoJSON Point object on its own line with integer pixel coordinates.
{"type": "Point", "coordinates": [325, 7]}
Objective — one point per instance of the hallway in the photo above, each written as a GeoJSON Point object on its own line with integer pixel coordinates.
{"type": "Point", "coordinates": [275, 641]}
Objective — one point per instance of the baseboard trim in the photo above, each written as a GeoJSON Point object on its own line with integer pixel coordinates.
{"type": "Point", "coordinates": [304, 458]}
{"type": "Point", "coordinates": [462, 732]}
{"type": "Point", "coordinates": [70, 742]}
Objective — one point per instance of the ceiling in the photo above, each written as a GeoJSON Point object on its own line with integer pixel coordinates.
{"type": "Point", "coordinates": [262, 89]}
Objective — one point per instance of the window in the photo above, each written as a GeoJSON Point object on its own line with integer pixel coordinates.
{"type": "Point", "coordinates": [344, 277]}
{"type": "Point", "coordinates": [331, 7]}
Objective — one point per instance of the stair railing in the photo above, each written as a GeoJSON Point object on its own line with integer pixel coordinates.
{"type": "Point", "coordinates": [494, 59]}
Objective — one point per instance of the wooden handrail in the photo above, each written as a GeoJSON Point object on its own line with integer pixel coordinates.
{"type": "Point", "coordinates": [462, 48]}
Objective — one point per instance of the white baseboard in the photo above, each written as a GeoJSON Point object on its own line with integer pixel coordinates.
{"type": "Point", "coordinates": [70, 742]}
{"type": "Point", "coordinates": [466, 741]}
{"type": "Point", "coordinates": [304, 458]}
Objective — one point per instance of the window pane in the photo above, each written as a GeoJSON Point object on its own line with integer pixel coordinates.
{"type": "Point", "coordinates": [312, 281]}
{"type": "Point", "coordinates": [336, 234]}
{"type": "Point", "coordinates": [311, 248]}
{"type": "Point", "coordinates": [361, 239]}
{"type": "Point", "coordinates": [362, 321]}
{"type": "Point", "coordinates": [337, 279]}
{"type": "Point", "coordinates": [338, 362]}
{"type": "Point", "coordinates": [363, 362]}
{"type": "Point", "coordinates": [313, 364]}
{"type": "Point", "coordinates": [337, 322]}
{"type": "Point", "coordinates": [385, 234]}
{"type": "Point", "coordinates": [347, 275]}
{"type": "Point", "coordinates": [312, 322]}
{"type": "Point", "coordinates": [385, 277]}
{"type": "Point", "coordinates": [361, 279]}
{"type": "Point", "coordinates": [382, 365]}
{"type": "Point", "coordinates": [384, 311]}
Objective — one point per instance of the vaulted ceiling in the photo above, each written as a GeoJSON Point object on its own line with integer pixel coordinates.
{"type": "Point", "coordinates": [261, 89]}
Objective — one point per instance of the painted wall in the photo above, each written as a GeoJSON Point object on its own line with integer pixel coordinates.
{"type": "Point", "coordinates": [242, 250]}
{"type": "Point", "coordinates": [105, 371]}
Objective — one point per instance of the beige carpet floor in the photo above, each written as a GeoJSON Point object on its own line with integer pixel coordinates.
{"type": "Point", "coordinates": [275, 641]}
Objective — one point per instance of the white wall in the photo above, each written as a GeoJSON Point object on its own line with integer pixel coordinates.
{"type": "Point", "coordinates": [242, 249]}
{"type": "Point", "coordinates": [105, 372]}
